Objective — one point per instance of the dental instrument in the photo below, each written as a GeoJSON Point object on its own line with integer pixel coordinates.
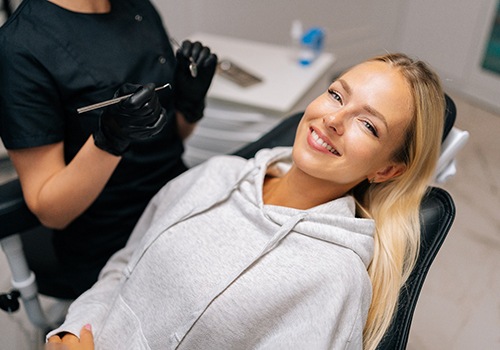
{"type": "Point", "coordinates": [193, 67]}
{"type": "Point", "coordinates": [113, 101]}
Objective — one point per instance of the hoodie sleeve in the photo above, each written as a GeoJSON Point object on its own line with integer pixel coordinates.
{"type": "Point", "coordinates": [92, 306]}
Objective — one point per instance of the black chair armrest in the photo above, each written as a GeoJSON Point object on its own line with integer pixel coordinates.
{"type": "Point", "coordinates": [15, 217]}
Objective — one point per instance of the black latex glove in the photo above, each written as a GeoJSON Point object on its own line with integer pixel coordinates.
{"type": "Point", "coordinates": [138, 117]}
{"type": "Point", "coordinates": [190, 91]}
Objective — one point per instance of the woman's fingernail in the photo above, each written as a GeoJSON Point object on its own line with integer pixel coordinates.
{"type": "Point", "coordinates": [88, 327]}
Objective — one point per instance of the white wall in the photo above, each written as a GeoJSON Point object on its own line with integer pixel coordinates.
{"type": "Point", "coordinates": [356, 29]}
{"type": "Point", "coordinates": [449, 34]}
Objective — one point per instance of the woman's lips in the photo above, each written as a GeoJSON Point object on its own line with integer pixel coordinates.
{"type": "Point", "coordinates": [318, 141]}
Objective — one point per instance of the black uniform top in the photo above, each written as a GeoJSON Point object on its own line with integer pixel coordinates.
{"type": "Point", "coordinates": [53, 61]}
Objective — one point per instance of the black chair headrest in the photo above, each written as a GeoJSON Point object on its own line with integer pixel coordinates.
{"type": "Point", "coordinates": [450, 114]}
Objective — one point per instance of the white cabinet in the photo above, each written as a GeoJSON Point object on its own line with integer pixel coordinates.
{"type": "Point", "coordinates": [236, 115]}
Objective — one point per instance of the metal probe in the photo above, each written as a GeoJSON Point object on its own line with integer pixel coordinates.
{"type": "Point", "coordinates": [112, 101]}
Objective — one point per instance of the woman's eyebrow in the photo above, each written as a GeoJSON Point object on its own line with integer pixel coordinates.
{"type": "Point", "coordinates": [367, 108]}
{"type": "Point", "coordinates": [346, 86]}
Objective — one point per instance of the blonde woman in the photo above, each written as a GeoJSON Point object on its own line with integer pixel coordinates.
{"type": "Point", "coordinates": [303, 248]}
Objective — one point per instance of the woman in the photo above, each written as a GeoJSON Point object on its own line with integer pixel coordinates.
{"type": "Point", "coordinates": [90, 176]}
{"type": "Point", "coordinates": [297, 248]}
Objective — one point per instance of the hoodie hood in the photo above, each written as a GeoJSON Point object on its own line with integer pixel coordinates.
{"type": "Point", "coordinates": [334, 221]}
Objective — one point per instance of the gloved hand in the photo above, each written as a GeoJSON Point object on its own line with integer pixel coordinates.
{"type": "Point", "coordinates": [138, 117]}
{"type": "Point", "coordinates": [190, 91]}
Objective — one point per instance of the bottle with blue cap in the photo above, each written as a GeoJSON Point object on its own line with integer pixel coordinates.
{"type": "Point", "coordinates": [311, 45]}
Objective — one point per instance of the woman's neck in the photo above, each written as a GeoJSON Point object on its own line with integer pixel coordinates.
{"type": "Point", "coordinates": [299, 190]}
{"type": "Point", "coordinates": [84, 6]}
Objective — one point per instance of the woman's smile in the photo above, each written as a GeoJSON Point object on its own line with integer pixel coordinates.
{"type": "Point", "coordinates": [321, 142]}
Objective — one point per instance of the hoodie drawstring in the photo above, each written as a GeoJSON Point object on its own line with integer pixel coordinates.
{"type": "Point", "coordinates": [285, 229]}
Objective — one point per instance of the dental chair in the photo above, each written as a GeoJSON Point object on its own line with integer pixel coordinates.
{"type": "Point", "coordinates": [19, 226]}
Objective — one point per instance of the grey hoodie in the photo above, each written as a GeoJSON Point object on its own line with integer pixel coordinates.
{"type": "Point", "coordinates": [209, 266]}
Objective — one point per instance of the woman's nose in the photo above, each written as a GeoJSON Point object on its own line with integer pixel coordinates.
{"type": "Point", "coordinates": [335, 122]}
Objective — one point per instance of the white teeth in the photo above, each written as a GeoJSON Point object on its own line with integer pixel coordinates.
{"type": "Point", "coordinates": [322, 143]}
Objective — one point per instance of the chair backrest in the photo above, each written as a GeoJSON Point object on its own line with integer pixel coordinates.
{"type": "Point", "coordinates": [15, 216]}
{"type": "Point", "coordinates": [437, 213]}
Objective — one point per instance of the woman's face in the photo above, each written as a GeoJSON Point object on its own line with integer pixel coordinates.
{"type": "Point", "coordinates": [349, 133]}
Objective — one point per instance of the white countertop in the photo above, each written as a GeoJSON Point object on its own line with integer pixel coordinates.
{"type": "Point", "coordinates": [285, 81]}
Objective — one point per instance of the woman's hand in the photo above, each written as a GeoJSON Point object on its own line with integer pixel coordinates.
{"type": "Point", "coordinates": [71, 342]}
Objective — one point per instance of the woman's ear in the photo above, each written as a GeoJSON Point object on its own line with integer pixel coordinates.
{"type": "Point", "coordinates": [389, 172]}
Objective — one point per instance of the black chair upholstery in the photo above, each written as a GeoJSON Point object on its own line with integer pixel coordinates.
{"type": "Point", "coordinates": [437, 215]}
{"type": "Point", "coordinates": [15, 216]}
{"type": "Point", "coordinates": [449, 116]}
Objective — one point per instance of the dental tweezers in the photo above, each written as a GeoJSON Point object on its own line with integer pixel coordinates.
{"type": "Point", "coordinates": [193, 67]}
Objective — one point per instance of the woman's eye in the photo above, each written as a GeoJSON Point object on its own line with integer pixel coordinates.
{"type": "Point", "coordinates": [371, 128]}
{"type": "Point", "coordinates": [335, 95]}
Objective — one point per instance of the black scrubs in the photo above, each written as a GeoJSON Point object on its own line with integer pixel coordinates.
{"type": "Point", "coordinates": [53, 61]}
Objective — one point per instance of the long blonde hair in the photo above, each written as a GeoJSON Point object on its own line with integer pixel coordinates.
{"type": "Point", "coordinates": [394, 205]}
